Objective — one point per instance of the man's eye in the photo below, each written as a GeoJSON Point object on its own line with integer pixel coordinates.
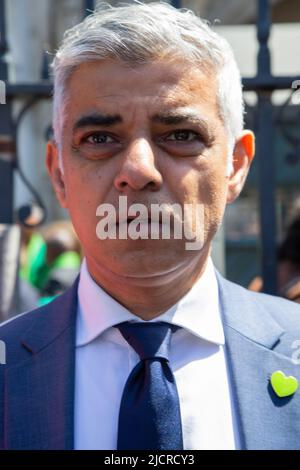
{"type": "Point", "coordinates": [98, 138]}
{"type": "Point", "coordinates": [183, 136]}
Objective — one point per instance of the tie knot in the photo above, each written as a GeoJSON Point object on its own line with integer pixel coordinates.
{"type": "Point", "coordinates": [149, 340]}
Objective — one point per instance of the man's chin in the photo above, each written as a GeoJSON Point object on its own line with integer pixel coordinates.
{"type": "Point", "coordinates": [154, 277]}
{"type": "Point", "coordinates": [148, 246]}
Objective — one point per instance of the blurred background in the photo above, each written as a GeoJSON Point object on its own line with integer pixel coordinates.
{"type": "Point", "coordinates": [258, 245]}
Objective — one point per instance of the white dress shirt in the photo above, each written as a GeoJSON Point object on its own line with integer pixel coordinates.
{"type": "Point", "coordinates": [104, 361]}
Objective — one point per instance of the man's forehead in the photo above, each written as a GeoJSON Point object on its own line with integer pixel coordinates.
{"type": "Point", "coordinates": [113, 79]}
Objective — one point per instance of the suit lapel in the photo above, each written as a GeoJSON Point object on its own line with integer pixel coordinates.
{"type": "Point", "coordinates": [40, 388]}
{"type": "Point", "coordinates": [257, 346]}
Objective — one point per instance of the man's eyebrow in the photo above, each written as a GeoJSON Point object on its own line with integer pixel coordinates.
{"type": "Point", "coordinates": [167, 118]}
{"type": "Point", "coordinates": [170, 118]}
{"type": "Point", "coordinates": [97, 119]}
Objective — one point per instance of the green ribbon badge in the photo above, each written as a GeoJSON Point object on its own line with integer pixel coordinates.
{"type": "Point", "coordinates": [282, 385]}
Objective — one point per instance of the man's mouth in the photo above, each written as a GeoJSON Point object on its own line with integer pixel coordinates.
{"type": "Point", "coordinates": [141, 220]}
{"type": "Point", "coordinates": [129, 219]}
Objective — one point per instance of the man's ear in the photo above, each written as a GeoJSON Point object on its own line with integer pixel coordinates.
{"type": "Point", "coordinates": [243, 154]}
{"type": "Point", "coordinates": [55, 173]}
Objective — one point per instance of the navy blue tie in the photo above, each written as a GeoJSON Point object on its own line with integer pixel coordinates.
{"type": "Point", "coordinates": [149, 417]}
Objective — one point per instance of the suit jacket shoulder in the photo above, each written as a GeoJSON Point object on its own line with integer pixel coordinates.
{"type": "Point", "coordinates": [282, 311]}
{"type": "Point", "coordinates": [262, 336]}
{"type": "Point", "coordinates": [40, 325]}
{"type": "Point", "coordinates": [37, 381]}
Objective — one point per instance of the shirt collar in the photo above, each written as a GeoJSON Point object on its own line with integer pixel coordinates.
{"type": "Point", "coordinates": [197, 311]}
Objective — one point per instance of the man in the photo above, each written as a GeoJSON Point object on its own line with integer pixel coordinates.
{"type": "Point", "coordinates": [151, 348]}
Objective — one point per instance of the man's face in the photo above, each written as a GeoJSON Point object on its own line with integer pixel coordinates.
{"type": "Point", "coordinates": [138, 155]}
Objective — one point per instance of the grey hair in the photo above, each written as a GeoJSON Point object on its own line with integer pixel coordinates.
{"type": "Point", "coordinates": [137, 33]}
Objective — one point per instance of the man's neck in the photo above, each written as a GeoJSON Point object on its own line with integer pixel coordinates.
{"type": "Point", "coordinates": [149, 297]}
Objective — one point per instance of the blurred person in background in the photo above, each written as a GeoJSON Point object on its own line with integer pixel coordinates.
{"type": "Point", "coordinates": [62, 260]}
{"type": "Point", "coordinates": [289, 263]}
{"type": "Point", "coordinates": [288, 274]}
{"type": "Point", "coordinates": [26, 294]}
{"type": "Point", "coordinates": [51, 258]}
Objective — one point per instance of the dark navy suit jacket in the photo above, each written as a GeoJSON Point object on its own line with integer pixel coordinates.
{"type": "Point", "coordinates": [37, 381]}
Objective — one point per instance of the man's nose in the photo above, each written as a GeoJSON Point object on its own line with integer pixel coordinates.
{"type": "Point", "coordinates": [138, 170]}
